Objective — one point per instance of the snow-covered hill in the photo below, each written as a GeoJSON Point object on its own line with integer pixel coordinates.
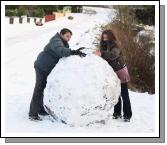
{"type": "Point", "coordinates": [23, 42]}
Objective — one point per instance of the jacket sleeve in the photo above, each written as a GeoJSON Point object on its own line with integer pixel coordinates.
{"type": "Point", "coordinates": [58, 48]}
{"type": "Point", "coordinates": [110, 55]}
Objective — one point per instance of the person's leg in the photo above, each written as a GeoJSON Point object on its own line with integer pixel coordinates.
{"type": "Point", "coordinates": [126, 101]}
{"type": "Point", "coordinates": [42, 109]}
{"type": "Point", "coordinates": [37, 100]}
{"type": "Point", "coordinates": [117, 109]}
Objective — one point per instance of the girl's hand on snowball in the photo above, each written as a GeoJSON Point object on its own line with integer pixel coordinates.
{"type": "Point", "coordinates": [97, 53]}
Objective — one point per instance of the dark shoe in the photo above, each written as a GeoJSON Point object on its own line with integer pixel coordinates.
{"type": "Point", "coordinates": [126, 119]}
{"type": "Point", "coordinates": [34, 117]}
{"type": "Point", "coordinates": [117, 117]}
{"type": "Point", "coordinates": [43, 112]}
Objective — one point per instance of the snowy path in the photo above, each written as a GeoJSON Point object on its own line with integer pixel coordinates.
{"type": "Point", "coordinates": [24, 42]}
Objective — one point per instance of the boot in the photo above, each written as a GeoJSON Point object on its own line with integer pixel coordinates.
{"type": "Point", "coordinates": [43, 112]}
{"type": "Point", "coordinates": [34, 117]}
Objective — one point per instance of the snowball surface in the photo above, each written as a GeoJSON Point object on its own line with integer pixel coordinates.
{"type": "Point", "coordinates": [81, 91]}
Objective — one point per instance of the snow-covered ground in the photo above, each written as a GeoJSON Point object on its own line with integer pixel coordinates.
{"type": "Point", "coordinates": [23, 42]}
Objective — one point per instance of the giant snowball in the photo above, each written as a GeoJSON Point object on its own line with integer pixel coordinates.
{"type": "Point", "coordinates": [81, 91]}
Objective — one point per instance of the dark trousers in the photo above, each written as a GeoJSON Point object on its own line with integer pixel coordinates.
{"type": "Point", "coordinates": [37, 99]}
{"type": "Point", "coordinates": [126, 102]}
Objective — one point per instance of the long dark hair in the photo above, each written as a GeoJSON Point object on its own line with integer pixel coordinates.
{"type": "Point", "coordinates": [111, 38]}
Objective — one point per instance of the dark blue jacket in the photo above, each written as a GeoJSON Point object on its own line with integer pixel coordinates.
{"type": "Point", "coordinates": [53, 51]}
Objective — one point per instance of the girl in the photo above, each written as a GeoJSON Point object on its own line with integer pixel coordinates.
{"type": "Point", "coordinates": [110, 51]}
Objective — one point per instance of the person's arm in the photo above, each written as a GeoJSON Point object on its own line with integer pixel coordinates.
{"type": "Point", "coordinates": [110, 55]}
{"type": "Point", "coordinates": [58, 48]}
{"type": "Point", "coordinates": [78, 52]}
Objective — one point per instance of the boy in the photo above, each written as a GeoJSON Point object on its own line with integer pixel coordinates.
{"type": "Point", "coordinates": [57, 48]}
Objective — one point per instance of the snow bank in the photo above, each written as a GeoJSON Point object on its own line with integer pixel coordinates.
{"type": "Point", "coordinates": [81, 91]}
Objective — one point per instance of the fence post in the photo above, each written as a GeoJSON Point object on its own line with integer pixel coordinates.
{"type": "Point", "coordinates": [35, 20]}
{"type": "Point", "coordinates": [28, 20]}
{"type": "Point", "coordinates": [20, 20]}
{"type": "Point", "coordinates": [11, 20]}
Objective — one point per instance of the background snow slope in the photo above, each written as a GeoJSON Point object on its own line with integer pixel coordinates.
{"type": "Point", "coordinates": [22, 45]}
